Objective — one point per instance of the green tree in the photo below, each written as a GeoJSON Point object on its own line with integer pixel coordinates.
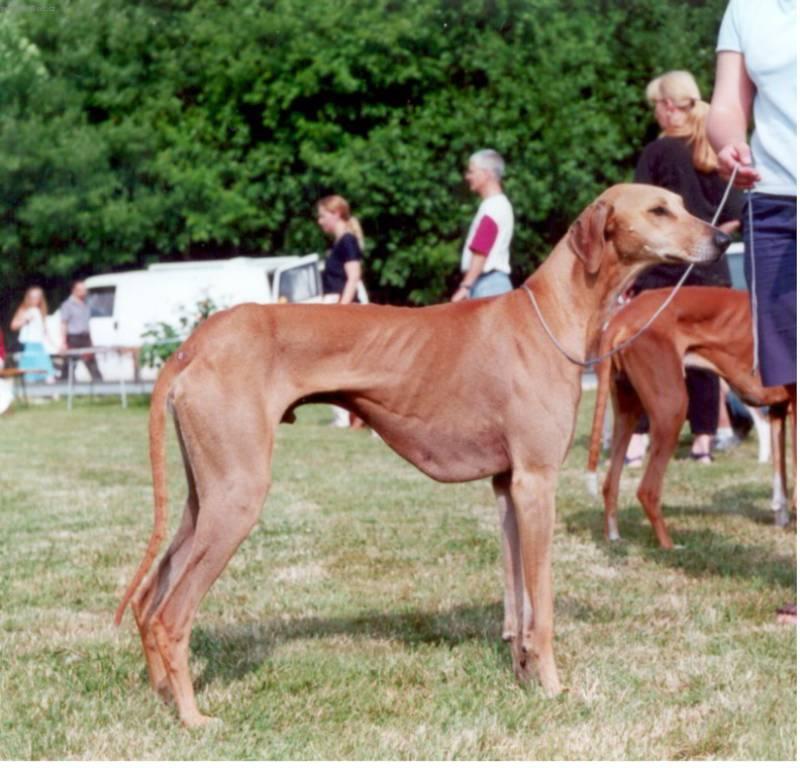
{"type": "Point", "coordinates": [132, 132]}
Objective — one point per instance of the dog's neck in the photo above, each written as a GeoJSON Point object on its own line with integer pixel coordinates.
{"type": "Point", "coordinates": [573, 300]}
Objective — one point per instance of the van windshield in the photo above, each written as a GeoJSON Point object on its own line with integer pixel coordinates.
{"type": "Point", "coordinates": [299, 283]}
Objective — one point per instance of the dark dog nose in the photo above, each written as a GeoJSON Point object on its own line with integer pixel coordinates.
{"type": "Point", "coordinates": [721, 240]}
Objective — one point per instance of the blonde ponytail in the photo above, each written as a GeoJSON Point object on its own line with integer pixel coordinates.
{"type": "Point", "coordinates": [354, 228]}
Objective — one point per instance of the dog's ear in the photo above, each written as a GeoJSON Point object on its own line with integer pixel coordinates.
{"type": "Point", "coordinates": [587, 235]}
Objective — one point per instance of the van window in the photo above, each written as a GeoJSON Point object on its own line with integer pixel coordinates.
{"type": "Point", "coordinates": [299, 283]}
{"type": "Point", "coordinates": [101, 301]}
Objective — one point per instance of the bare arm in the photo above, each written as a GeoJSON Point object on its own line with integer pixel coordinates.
{"type": "Point", "coordinates": [19, 319]}
{"type": "Point", "coordinates": [729, 118]}
{"type": "Point", "coordinates": [353, 271]}
{"type": "Point", "coordinates": [472, 274]}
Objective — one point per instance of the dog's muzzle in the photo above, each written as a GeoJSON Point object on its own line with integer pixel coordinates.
{"type": "Point", "coordinates": [714, 250]}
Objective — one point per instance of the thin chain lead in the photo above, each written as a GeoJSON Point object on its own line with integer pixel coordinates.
{"type": "Point", "coordinates": [594, 360]}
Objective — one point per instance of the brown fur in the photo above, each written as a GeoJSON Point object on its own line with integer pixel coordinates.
{"type": "Point", "coordinates": [709, 327]}
{"type": "Point", "coordinates": [462, 391]}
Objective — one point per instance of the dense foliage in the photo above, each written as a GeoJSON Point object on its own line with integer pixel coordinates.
{"type": "Point", "coordinates": [136, 131]}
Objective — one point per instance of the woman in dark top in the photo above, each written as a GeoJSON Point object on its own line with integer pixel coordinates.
{"type": "Point", "coordinates": [342, 272]}
{"type": "Point", "coordinates": [682, 160]}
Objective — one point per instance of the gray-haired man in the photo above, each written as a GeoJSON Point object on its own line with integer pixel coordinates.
{"type": "Point", "coordinates": [486, 258]}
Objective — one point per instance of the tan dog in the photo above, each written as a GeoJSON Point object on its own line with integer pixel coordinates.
{"type": "Point", "coordinates": [703, 327]}
{"type": "Point", "coordinates": [462, 391]}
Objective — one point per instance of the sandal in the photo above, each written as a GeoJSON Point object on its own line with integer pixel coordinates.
{"type": "Point", "coordinates": [701, 458]}
{"type": "Point", "coordinates": [787, 614]}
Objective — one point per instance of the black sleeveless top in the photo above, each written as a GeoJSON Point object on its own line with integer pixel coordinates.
{"type": "Point", "coordinates": [334, 276]}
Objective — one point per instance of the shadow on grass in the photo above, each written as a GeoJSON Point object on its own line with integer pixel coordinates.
{"type": "Point", "coordinates": [233, 651]}
{"type": "Point", "coordinates": [699, 552]}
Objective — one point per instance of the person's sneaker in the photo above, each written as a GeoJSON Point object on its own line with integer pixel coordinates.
{"type": "Point", "coordinates": [726, 442]}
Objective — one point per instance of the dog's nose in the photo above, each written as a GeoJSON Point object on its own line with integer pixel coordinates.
{"type": "Point", "coordinates": [721, 240]}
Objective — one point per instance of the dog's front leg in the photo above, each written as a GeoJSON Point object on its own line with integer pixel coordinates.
{"type": "Point", "coordinates": [533, 494]}
{"type": "Point", "coordinates": [513, 592]}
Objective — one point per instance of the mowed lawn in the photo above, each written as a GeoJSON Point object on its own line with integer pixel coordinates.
{"type": "Point", "coordinates": [361, 619]}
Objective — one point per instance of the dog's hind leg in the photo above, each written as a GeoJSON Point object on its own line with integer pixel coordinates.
{"type": "Point", "coordinates": [627, 410]}
{"type": "Point", "coordinates": [230, 459]}
{"type": "Point", "coordinates": [155, 587]}
{"type": "Point", "coordinates": [777, 428]}
{"type": "Point", "coordinates": [151, 594]}
{"type": "Point", "coordinates": [512, 566]}
{"type": "Point", "coordinates": [212, 547]}
{"type": "Point", "coordinates": [665, 429]}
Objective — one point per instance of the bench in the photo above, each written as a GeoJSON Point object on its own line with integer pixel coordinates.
{"type": "Point", "coordinates": [17, 376]}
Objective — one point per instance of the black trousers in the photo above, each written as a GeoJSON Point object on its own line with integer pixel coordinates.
{"type": "Point", "coordinates": [77, 341]}
{"type": "Point", "coordinates": [703, 389]}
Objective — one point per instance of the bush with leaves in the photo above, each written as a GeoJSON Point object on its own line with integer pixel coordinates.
{"type": "Point", "coordinates": [134, 132]}
{"type": "Point", "coordinates": [162, 339]}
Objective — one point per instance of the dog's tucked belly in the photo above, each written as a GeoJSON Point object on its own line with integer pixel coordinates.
{"type": "Point", "coordinates": [444, 451]}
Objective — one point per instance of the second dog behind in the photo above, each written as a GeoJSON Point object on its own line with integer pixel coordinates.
{"type": "Point", "coordinates": [703, 327]}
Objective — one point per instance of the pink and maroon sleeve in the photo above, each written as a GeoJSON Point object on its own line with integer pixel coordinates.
{"type": "Point", "coordinates": [484, 237]}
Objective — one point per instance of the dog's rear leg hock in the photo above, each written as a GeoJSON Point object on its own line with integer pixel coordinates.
{"type": "Point", "coordinates": [149, 597]}
{"type": "Point", "coordinates": [214, 542]}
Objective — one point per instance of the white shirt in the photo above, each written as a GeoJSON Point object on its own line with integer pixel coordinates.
{"type": "Point", "coordinates": [33, 332]}
{"type": "Point", "coordinates": [496, 208]}
{"type": "Point", "coordinates": [764, 32]}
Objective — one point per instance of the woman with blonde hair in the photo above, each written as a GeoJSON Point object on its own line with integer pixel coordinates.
{"type": "Point", "coordinates": [342, 272]}
{"type": "Point", "coordinates": [682, 160]}
{"type": "Point", "coordinates": [30, 321]}
{"type": "Point", "coordinates": [681, 113]}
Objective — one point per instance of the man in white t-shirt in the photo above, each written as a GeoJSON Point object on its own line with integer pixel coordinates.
{"type": "Point", "coordinates": [486, 258]}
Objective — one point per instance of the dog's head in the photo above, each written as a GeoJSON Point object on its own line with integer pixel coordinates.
{"type": "Point", "coordinates": [633, 225]}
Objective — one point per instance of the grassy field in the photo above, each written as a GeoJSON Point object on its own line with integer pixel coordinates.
{"type": "Point", "coordinates": [361, 619]}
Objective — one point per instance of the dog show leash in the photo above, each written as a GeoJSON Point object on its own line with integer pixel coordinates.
{"type": "Point", "coordinates": [753, 295]}
{"type": "Point", "coordinates": [594, 360]}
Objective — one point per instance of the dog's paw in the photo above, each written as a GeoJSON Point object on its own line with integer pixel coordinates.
{"type": "Point", "coordinates": [523, 662]}
{"type": "Point", "coordinates": [201, 721]}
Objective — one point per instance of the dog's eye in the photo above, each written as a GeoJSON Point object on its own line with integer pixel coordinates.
{"type": "Point", "coordinates": [659, 210]}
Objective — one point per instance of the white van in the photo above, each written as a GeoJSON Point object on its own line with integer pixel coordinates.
{"type": "Point", "coordinates": [124, 305]}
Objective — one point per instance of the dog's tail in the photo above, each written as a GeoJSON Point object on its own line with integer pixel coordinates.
{"type": "Point", "coordinates": [603, 372]}
{"type": "Point", "coordinates": [158, 464]}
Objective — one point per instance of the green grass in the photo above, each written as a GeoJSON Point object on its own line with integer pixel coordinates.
{"type": "Point", "coordinates": [361, 619]}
